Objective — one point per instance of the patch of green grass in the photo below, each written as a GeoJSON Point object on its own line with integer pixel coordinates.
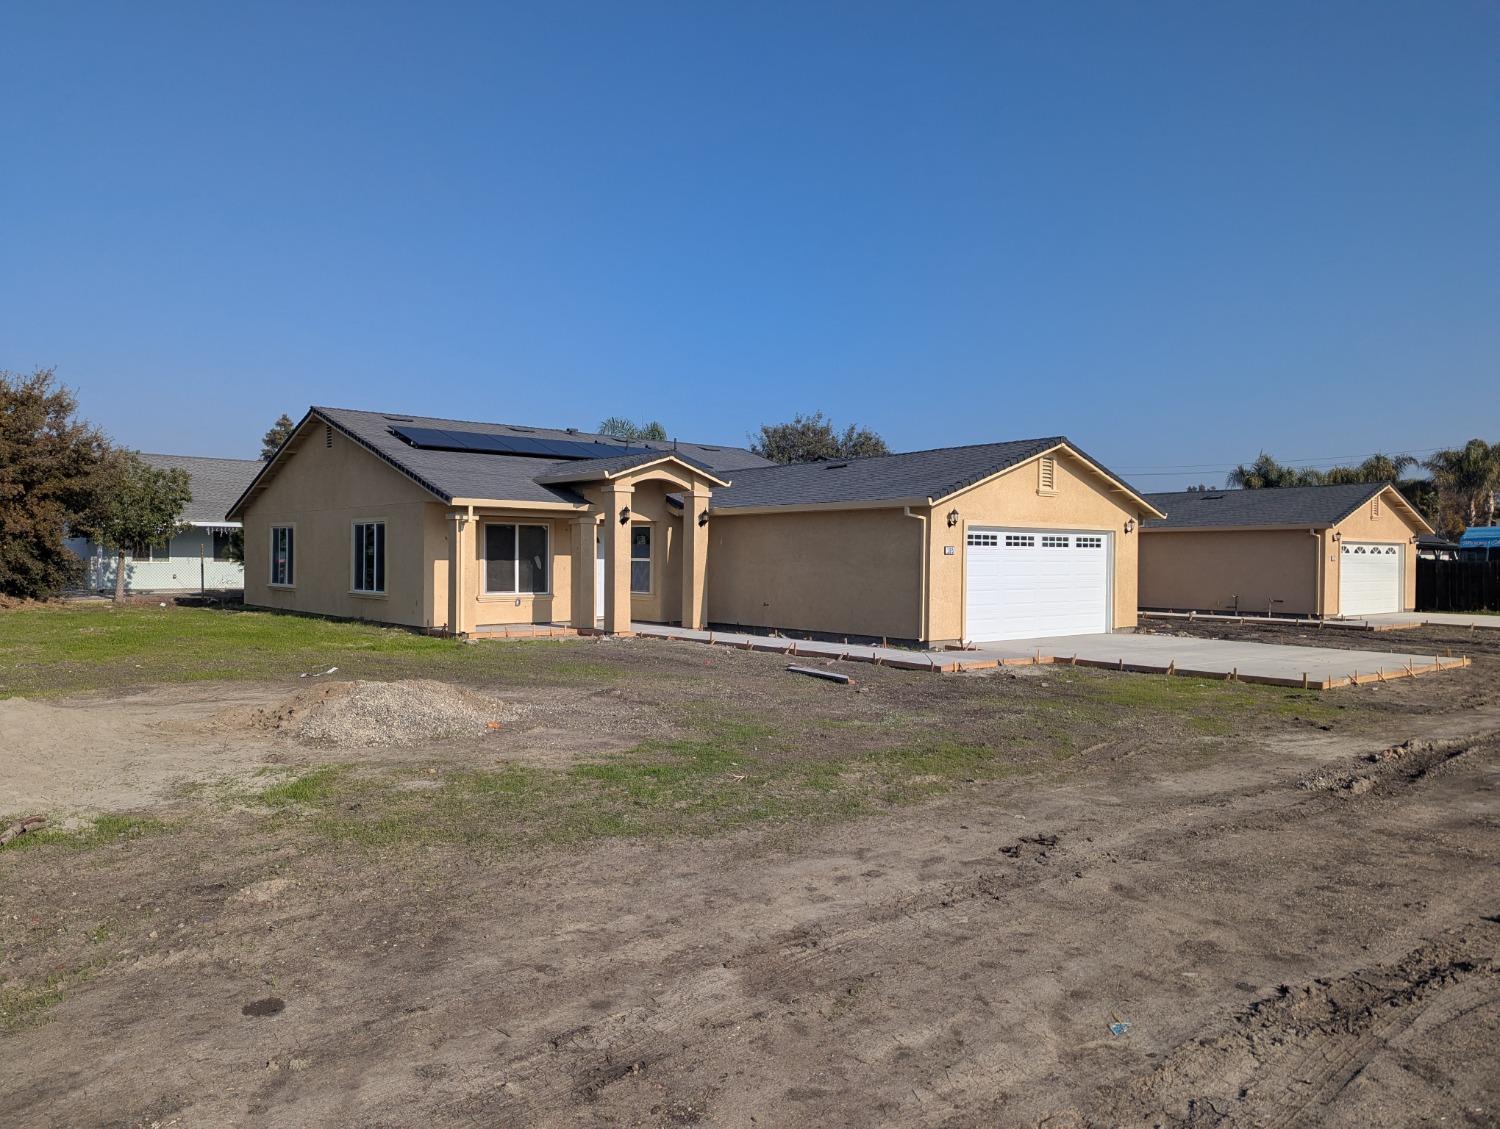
{"type": "Point", "coordinates": [21, 1006]}
{"type": "Point", "coordinates": [732, 776]}
{"type": "Point", "coordinates": [104, 829]}
{"type": "Point", "coordinates": [71, 648]}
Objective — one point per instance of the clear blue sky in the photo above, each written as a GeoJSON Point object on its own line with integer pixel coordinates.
{"type": "Point", "coordinates": [1177, 232]}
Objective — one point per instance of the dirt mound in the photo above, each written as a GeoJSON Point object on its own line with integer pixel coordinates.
{"type": "Point", "coordinates": [353, 714]}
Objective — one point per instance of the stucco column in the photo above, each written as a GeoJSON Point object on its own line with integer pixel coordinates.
{"type": "Point", "coordinates": [459, 558]}
{"type": "Point", "coordinates": [694, 558]}
{"type": "Point", "coordinates": [617, 559]}
{"type": "Point", "coordinates": [585, 548]}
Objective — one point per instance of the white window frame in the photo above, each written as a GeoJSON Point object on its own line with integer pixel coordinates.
{"type": "Point", "coordinates": [649, 559]}
{"type": "Point", "coordinates": [381, 562]}
{"type": "Point", "coordinates": [515, 575]}
{"type": "Point", "coordinates": [290, 529]}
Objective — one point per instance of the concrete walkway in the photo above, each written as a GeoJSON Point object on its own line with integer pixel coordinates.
{"type": "Point", "coordinates": [1318, 668]}
{"type": "Point", "coordinates": [1435, 619]}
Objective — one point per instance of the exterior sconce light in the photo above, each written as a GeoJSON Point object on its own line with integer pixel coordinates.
{"type": "Point", "coordinates": [624, 515]}
{"type": "Point", "coordinates": [952, 518]}
{"type": "Point", "coordinates": [1338, 536]}
{"type": "Point", "coordinates": [1130, 525]}
{"type": "Point", "coordinates": [702, 519]}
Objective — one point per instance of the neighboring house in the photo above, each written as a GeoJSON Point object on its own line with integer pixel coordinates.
{"type": "Point", "coordinates": [1479, 543]}
{"type": "Point", "coordinates": [1436, 547]}
{"type": "Point", "coordinates": [196, 557]}
{"type": "Point", "coordinates": [456, 527]}
{"type": "Point", "coordinates": [1298, 550]}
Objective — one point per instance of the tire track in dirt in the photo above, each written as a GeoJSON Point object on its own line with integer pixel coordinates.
{"type": "Point", "coordinates": [705, 1007]}
{"type": "Point", "coordinates": [1286, 1058]}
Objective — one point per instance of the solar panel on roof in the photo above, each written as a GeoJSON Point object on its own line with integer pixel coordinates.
{"type": "Point", "coordinates": [448, 439]}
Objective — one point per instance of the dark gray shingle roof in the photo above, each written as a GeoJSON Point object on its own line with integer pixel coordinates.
{"type": "Point", "coordinates": [915, 475]}
{"type": "Point", "coordinates": [469, 474]}
{"type": "Point", "coordinates": [216, 482]}
{"type": "Point", "coordinates": [1303, 506]}
{"type": "Point", "coordinates": [588, 470]}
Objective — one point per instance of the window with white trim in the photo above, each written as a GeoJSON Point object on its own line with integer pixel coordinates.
{"type": "Point", "coordinates": [1020, 541]}
{"type": "Point", "coordinates": [369, 557]}
{"type": "Point", "coordinates": [1054, 541]}
{"type": "Point", "coordinates": [517, 558]}
{"type": "Point", "coordinates": [640, 559]}
{"type": "Point", "coordinates": [283, 546]}
{"type": "Point", "coordinates": [1084, 542]}
{"type": "Point", "coordinates": [985, 540]}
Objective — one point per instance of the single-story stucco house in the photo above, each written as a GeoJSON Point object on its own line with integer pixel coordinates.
{"type": "Point", "coordinates": [1325, 551]}
{"type": "Point", "coordinates": [455, 527]}
{"type": "Point", "coordinates": [197, 556]}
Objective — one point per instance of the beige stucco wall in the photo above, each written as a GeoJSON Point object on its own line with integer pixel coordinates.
{"type": "Point", "coordinates": [1258, 571]}
{"type": "Point", "coordinates": [1392, 524]}
{"type": "Point", "coordinates": [1082, 500]}
{"type": "Point", "coordinates": [860, 572]}
{"type": "Point", "coordinates": [321, 491]}
{"type": "Point", "coordinates": [853, 572]}
{"type": "Point", "coordinates": [1271, 570]}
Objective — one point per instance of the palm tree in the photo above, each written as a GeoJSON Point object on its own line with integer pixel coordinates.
{"type": "Point", "coordinates": [1377, 468]}
{"type": "Point", "coordinates": [1468, 477]}
{"type": "Point", "coordinates": [1266, 473]}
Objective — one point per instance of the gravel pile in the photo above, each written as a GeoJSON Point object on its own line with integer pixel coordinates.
{"type": "Point", "coordinates": [407, 713]}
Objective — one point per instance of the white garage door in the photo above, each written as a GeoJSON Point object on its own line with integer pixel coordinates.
{"type": "Point", "coordinates": [1369, 577]}
{"type": "Point", "coordinates": [1023, 583]}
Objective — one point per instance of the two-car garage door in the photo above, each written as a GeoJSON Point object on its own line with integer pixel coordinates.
{"type": "Point", "coordinates": [1022, 583]}
{"type": "Point", "coordinates": [1370, 577]}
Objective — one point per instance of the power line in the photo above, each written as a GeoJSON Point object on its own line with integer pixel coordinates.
{"type": "Point", "coordinates": [1321, 462]}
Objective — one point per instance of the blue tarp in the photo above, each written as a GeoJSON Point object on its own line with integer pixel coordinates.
{"type": "Point", "coordinates": [1480, 537]}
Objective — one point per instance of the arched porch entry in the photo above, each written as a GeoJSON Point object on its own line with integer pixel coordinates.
{"type": "Point", "coordinates": [641, 551]}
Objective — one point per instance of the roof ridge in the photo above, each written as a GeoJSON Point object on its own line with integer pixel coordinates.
{"type": "Point", "coordinates": [1052, 439]}
{"type": "Point", "coordinates": [533, 426]}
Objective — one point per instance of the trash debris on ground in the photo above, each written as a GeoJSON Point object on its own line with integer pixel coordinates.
{"type": "Point", "coordinates": [23, 827]}
{"type": "Point", "coordinates": [1120, 1027]}
{"type": "Point", "coordinates": [816, 672]}
{"type": "Point", "coordinates": [319, 673]}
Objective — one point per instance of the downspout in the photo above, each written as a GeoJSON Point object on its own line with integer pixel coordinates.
{"type": "Point", "coordinates": [1318, 572]}
{"type": "Point", "coordinates": [925, 566]}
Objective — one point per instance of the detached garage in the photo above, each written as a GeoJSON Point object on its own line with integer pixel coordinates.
{"type": "Point", "coordinates": [963, 544]}
{"type": "Point", "coordinates": [1306, 550]}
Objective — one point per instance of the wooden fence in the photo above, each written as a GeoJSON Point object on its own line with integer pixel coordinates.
{"type": "Point", "coordinates": [1458, 586]}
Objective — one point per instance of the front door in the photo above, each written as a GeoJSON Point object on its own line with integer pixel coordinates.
{"type": "Point", "coordinates": [599, 575]}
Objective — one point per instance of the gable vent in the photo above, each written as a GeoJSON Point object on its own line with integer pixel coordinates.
{"type": "Point", "coordinates": [1375, 506]}
{"type": "Point", "coordinates": [327, 435]}
{"type": "Point", "coordinates": [1046, 470]}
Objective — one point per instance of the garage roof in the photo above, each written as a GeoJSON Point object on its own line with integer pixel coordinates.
{"type": "Point", "coordinates": [1300, 507]}
{"type": "Point", "coordinates": [915, 477]}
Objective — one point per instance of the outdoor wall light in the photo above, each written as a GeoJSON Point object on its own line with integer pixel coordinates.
{"type": "Point", "coordinates": [702, 519]}
{"type": "Point", "coordinates": [1130, 525]}
{"type": "Point", "coordinates": [1338, 536]}
{"type": "Point", "coordinates": [952, 518]}
{"type": "Point", "coordinates": [624, 515]}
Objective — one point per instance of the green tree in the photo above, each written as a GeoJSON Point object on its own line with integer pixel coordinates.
{"type": "Point", "coordinates": [811, 439]}
{"type": "Point", "coordinates": [1467, 479]}
{"type": "Point", "coordinates": [49, 471]}
{"type": "Point", "coordinates": [618, 427]}
{"type": "Point", "coordinates": [278, 433]}
{"type": "Point", "coordinates": [136, 505]}
{"type": "Point", "coordinates": [1377, 468]}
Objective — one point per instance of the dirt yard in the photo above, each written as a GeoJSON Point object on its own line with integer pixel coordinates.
{"type": "Point", "coordinates": [669, 885]}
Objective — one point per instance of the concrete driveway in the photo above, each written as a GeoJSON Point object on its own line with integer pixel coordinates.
{"type": "Point", "coordinates": [1219, 657]}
